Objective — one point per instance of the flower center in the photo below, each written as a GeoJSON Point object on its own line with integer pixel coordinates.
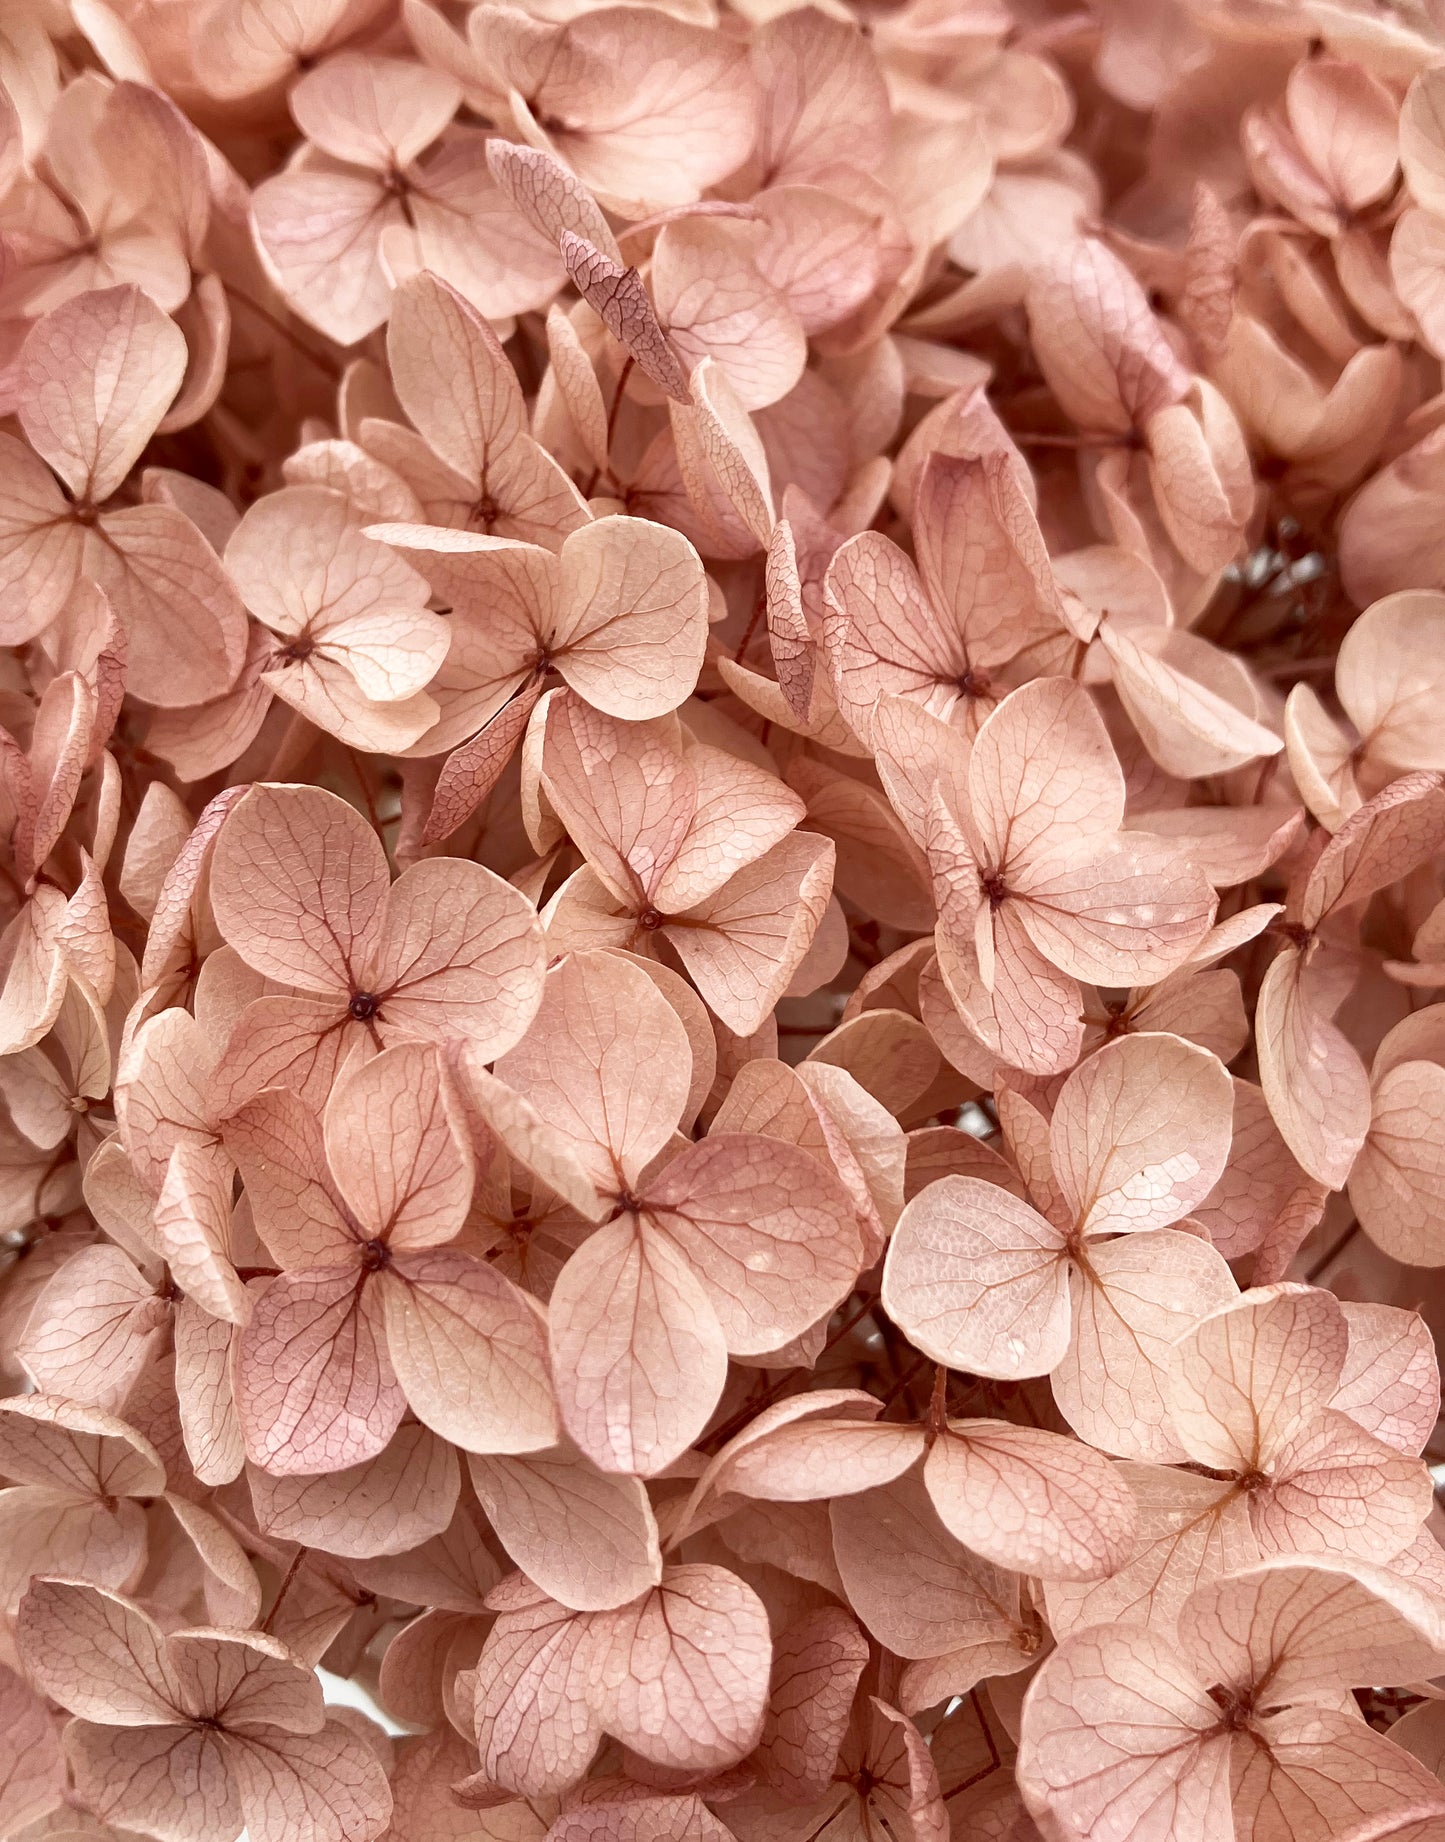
{"type": "Point", "coordinates": [363, 1006]}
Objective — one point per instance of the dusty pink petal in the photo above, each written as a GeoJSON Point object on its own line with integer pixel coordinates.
{"type": "Point", "coordinates": [1140, 1134]}
{"type": "Point", "coordinates": [682, 1673]}
{"type": "Point", "coordinates": [607, 1062]}
{"type": "Point", "coordinates": [173, 1780]}
{"type": "Point", "coordinates": [384, 1505]}
{"type": "Point", "coordinates": [1385, 839]}
{"type": "Point", "coordinates": [1101, 349]}
{"type": "Point", "coordinates": [536, 1732]}
{"type": "Point", "coordinates": [616, 295]}
{"type": "Point", "coordinates": [1033, 1016]}
{"type": "Point", "coordinates": [587, 1538]}
{"type": "Point", "coordinates": [94, 1328]}
{"type": "Point", "coordinates": [716, 303]}
{"type": "Point", "coordinates": [203, 1395]}
{"type": "Point", "coordinates": [192, 1229]}
{"type": "Point", "coordinates": [1308, 1627]}
{"type": "Point", "coordinates": [1251, 1377]}
{"type": "Point", "coordinates": [1190, 1528]}
{"type": "Point", "coordinates": [633, 618]}
{"type": "Point", "coordinates": [297, 882]}
{"type": "Point", "coordinates": [397, 1146]}
{"type": "Point", "coordinates": [1394, 1184]}
{"type": "Point", "coordinates": [742, 945]}
{"type": "Point", "coordinates": [1335, 1776]}
{"type": "Point", "coordinates": [460, 954]}
{"type": "Point", "coordinates": [816, 1665]}
{"type": "Point", "coordinates": [276, 1140]}
{"type": "Point", "coordinates": [549, 1154]}
{"type": "Point", "coordinates": [468, 1349]}
{"type": "Point", "coordinates": [548, 194]}
{"type": "Point", "coordinates": [1340, 1490]}
{"type": "Point", "coordinates": [1028, 1499]}
{"type": "Point", "coordinates": [97, 375]}
{"type": "Point", "coordinates": [1187, 725]}
{"type": "Point", "coordinates": [330, 1784]}
{"type": "Point", "coordinates": [315, 1389]}
{"type": "Point", "coordinates": [655, 109]}
{"type": "Point", "coordinates": [1314, 1081]}
{"type": "Point", "coordinates": [638, 1354]}
{"type": "Point", "coordinates": [766, 1231]}
{"type": "Point", "coordinates": [723, 464]}
{"type": "Point", "coordinates": [1391, 1378]}
{"type": "Point", "coordinates": [1043, 760]}
{"type": "Point", "coordinates": [97, 1654]}
{"type": "Point", "coordinates": [34, 1778]}
{"type": "Point", "coordinates": [1134, 909]}
{"type": "Point", "coordinates": [979, 1280]}
{"type": "Point", "coordinates": [1138, 1295]}
{"type": "Point", "coordinates": [1120, 1734]}
{"type": "Point", "coordinates": [918, 1591]}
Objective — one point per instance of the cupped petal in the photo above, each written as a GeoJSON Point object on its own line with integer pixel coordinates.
{"type": "Point", "coordinates": [1140, 1133]}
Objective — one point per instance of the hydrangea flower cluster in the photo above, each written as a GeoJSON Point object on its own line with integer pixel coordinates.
{"type": "Point", "coordinates": [722, 868]}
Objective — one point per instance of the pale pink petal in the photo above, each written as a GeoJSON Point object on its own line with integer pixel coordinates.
{"type": "Point", "coordinates": [616, 295]}
{"type": "Point", "coordinates": [97, 375]}
{"type": "Point", "coordinates": [1390, 1383]}
{"type": "Point", "coordinates": [1333, 1775]}
{"type": "Point", "coordinates": [1097, 342]}
{"type": "Point", "coordinates": [682, 1673]}
{"type": "Point", "coordinates": [1121, 1738]}
{"type": "Point", "coordinates": [397, 1146]}
{"type": "Point", "coordinates": [172, 1780]}
{"type": "Point", "coordinates": [587, 1538]}
{"type": "Point", "coordinates": [766, 1231]}
{"type": "Point", "coordinates": [276, 1140]}
{"type": "Point", "coordinates": [34, 1778]}
{"type": "Point", "coordinates": [320, 234]}
{"type": "Point", "coordinates": [607, 1062]}
{"type": "Point", "coordinates": [98, 1654]}
{"type": "Point", "coordinates": [918, 1591]}
{"type": "Point", "coordinates": [742, 945]}
{"type": "Point", "coordinates": [637, 1352]}
{"type": "Point", "coordinates": [1309, 1627]}
{"type": "Point", "coordinates": [315, 1389]}
{"type": "Point", "coordinates": [297, 882]}
{"type": "Point", "coordinates": [1140, 1134]}
{"type": "Point", "coordinates": [373, 112]}
{"type": "Point", "coordinates": [1395, 1181]}
{"type": "Point", "coordinates": [192, 1229]}
{"type": "Point", "coordinates": [1314, 1081]}
{"type": "Point", "coordinates": [816, 1665]}
{"type": "Point", "coordinates": [460, 954]}
{"type": "Point", "coordinates": [1138, 1295]}
{"type": "Point", "coordinates": [329, 1785]}
{"type": "Point", "coordinates": [384, 1505]}
{"type": "Point", "coordinates": [1028, 1499]}
{"type": "Point", "coordinates": [632, 624]}
{"type": "Point", "coordinates": [469, 1352]}
{"type": "Point", "coordinates": [1339, 1490]}
{"type": "Point", "coordinates": [1251, 1377]}
{"type": "Point", "coordinates": [979, 1280]}
{"type": "Point", "coordinates": [715, 302]}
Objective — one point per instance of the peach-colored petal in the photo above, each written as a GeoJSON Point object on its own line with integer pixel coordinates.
{"type": "Point", "coordinates": [979, 1280]}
